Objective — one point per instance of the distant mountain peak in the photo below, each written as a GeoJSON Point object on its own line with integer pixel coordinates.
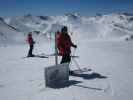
{"type": "Point", "coordinates": [123, 13]}
{"type": "Point", "coordinates": [44, 17]}
{"type": "Point", "coordinates": [74, 15]}
{"type": "Point", "coordinates": [28, 15]}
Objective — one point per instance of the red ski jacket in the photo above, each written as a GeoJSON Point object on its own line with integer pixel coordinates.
{"type": "Point", "coordinates": [64, 44]}
{"type": "Point", "coordinates": [30, 40]}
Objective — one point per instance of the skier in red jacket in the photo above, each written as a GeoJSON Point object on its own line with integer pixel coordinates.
{"type": "Point", "coordinates": [31, 44]}
{"type": "Point", "coordinates": [64, 45]}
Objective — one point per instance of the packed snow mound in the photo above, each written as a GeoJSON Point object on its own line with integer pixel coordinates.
{"type": "Point", "coordinates": [118, 26]}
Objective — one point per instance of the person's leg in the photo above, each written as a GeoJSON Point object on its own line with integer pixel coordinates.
{"type": "Point", "coordinates": [30, 51]}
{"type": "Point", "coordinates": [67, 59]}
{"type": "Point", "coordinates": [63, 60]}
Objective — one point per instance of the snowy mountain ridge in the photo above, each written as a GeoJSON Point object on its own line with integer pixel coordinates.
{"type": "Point", "coordinates": [104, 27]}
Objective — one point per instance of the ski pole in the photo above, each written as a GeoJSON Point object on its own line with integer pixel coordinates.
{"type": "Point", "coordinates": [77, 65]}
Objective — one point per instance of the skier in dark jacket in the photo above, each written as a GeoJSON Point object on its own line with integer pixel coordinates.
{"type": "Point", "coordinates": [64, 45]}
{"type": "Point", "coordinates": [31, 44]}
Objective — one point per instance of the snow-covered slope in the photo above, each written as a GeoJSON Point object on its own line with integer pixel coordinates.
{"type": "Point", "coordinates": [118, 26]}
{"type": "Point", "coordinates": [9, 34]}
{"type": "Point", "coordinates": [111, 61]}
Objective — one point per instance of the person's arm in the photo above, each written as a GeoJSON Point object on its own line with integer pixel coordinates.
{"type": "Point", "coordinates": [72, 44]}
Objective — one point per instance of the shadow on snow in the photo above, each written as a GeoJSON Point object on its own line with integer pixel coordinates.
{"type": "Point", "coordinates": [93, 75]}
{"type": "Point", "coordinates": [69, 83]}
{"type": "Point", "coordinates": [65, 84]}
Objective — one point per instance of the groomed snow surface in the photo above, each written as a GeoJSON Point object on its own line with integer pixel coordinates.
{"type": "Point", "coordinates": [23, 78]}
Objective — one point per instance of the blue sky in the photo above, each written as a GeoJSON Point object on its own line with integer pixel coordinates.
{"type": "Point", "coordinates": [60, 7]}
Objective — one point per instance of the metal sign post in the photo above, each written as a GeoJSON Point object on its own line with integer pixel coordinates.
{"type": "Point", "coordinates": [58, 74]}
{"type": "Point", "coordinates": [56, 52]}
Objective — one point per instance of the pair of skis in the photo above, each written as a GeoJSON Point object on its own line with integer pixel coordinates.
{"type": "Point", "coordinates": [80, 71]}
{"type": "Point", "coordinates": [37, 56]}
